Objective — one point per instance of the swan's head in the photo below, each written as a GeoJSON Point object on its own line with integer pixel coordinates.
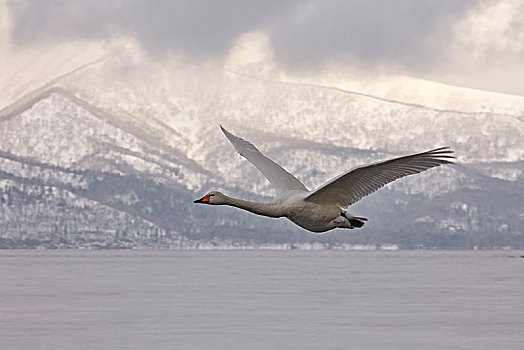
{"type": "Point", "coordinates": [213, 197]}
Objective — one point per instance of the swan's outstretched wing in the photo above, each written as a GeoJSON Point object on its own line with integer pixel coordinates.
{"type": "Point", "coordinates": [277, 176]}
{"type": "Point", "coordinates": [351, 186]}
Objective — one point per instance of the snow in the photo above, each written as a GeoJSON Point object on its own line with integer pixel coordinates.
{"type": "Point", "coordinates": [158, 118]}
{"type": "Point", "coordinates": [261, 300]}
{"type": "Point", "coordinates": [182, 103]}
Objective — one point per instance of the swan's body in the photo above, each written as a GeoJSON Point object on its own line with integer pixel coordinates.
{"type": "Point", "coordinates": [321, 210]}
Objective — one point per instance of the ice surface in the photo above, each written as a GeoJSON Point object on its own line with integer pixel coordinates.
{"type": "Point", "coordinates": [261, 300]}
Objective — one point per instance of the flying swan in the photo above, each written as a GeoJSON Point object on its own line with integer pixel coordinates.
{"type": "Point", "coordinates": [322, 209]}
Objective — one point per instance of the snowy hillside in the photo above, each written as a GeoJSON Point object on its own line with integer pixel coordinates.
{"type": "Point", "coordinates": [114, 152]}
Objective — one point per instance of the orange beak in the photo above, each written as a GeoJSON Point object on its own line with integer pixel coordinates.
{"type": "Point", "coordinates": [204, 199]}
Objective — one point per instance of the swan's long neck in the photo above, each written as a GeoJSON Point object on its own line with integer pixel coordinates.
{"type": "Point", "coordinates": [265, 209]}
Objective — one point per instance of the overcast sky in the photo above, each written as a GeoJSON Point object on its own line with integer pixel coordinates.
{"type": "Point", "coordinates": [477, 43]}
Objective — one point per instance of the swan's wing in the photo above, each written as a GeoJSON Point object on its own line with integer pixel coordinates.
{"type": "Point", "coordinates": [277, 176]}
{"type": "Point", "coordinates": [351, 186]}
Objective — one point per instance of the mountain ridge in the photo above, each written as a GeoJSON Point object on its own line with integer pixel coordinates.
{"type": "Point", "coordinates": [396, 101]}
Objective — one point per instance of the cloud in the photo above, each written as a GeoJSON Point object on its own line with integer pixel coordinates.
{"type": "Point", "coordinates": [305, 32]}
{"type": "Point", "coordinates": [372, 31]}
{"type": "Point", "coordinates": [461, 40]}
{"type": "Point", "coordinates": [487, 49]}
{"type": "Point", "coordinates": [202, 27]}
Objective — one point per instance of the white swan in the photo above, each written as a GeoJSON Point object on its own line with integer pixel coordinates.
{"type": "Point", "coordinates": [321, 210]}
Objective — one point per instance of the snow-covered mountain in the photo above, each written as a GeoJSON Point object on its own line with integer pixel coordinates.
{"type": "Point", "coordinates": [113, 151]}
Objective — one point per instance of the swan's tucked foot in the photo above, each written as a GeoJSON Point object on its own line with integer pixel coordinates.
{"type": "Point", "coordinates": [354, 221]}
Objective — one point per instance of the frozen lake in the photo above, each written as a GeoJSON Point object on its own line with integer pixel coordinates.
{"type": "Point", "coordinates": [261, 300]}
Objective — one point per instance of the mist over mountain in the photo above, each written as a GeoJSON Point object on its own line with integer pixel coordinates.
{"type": "Point", "coordinates": [112, 152]}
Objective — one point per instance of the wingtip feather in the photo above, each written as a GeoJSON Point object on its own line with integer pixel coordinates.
{"type": "Point", "coordinates": [229, 136]}
{"type": "Point", "coordinates": [442, 154]}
